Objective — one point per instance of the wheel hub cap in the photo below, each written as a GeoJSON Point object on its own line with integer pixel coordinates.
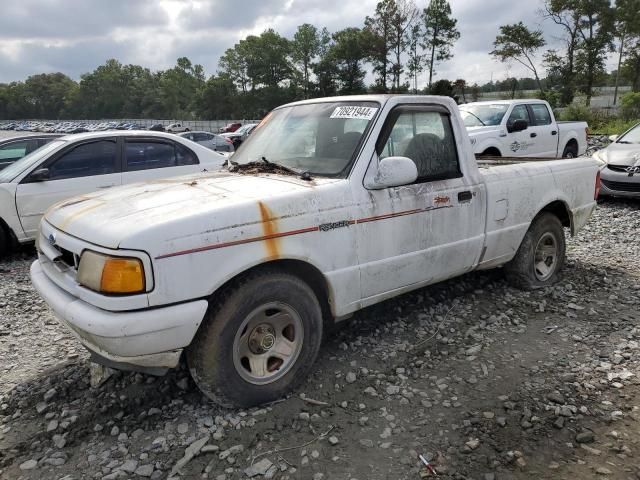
{"type": "Point", "coordinates": [268, 343]}
{"type": "Point", "coordinates": [546, 257]}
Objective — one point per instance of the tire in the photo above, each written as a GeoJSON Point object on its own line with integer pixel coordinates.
{"type": "Point", "coordinates": [570, 151]}
{"type": "Point", "coordinates": [247, 322]}
{"type": "Point", "coordinates": [4, 242]}
{"type": "Point", "coordinates": [545, 238]}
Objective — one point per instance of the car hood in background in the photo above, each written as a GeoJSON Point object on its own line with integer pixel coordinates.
{"type": "Point", "coordinates": [622, 154]}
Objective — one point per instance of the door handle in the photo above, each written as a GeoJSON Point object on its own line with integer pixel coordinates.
{"type": "Point", "coordinates": [465, 196]}
{"type": "Point", "coordinates": [533, 135]}
{"type": "Point", "coordinates": [554, 132]}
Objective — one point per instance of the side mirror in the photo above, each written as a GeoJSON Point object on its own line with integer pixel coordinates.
{"type": "Point", "coordinates": [393, 172]}
{"type": "Point", "coordinates": [518, 126]}
{"type": "Point", "coordinates": [39, 175]}
{"type": "Point", "coordinates": [613, 138]}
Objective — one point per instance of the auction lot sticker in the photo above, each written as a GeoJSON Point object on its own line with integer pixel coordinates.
{"type": "Point", "coordinates": [360, 113]}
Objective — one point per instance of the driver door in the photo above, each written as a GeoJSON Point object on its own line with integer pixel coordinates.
{"type": "Point", "coordinates": [426, 231]}
{"type": "Point", "coordinates": [523, 143]}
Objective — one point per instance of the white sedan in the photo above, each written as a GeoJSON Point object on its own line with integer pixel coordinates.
{"type": "Point", "coordinates": [83, 163]}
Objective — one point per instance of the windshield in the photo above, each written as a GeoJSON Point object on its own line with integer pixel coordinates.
{"type": "Point", "coordinates": [319, 138]}
{"type": "Point", "coordinates": [632, 136]}
{"type": "Point", "coordinates": [483, 115]}
{"type": "Point", "coordinates": [18, 167]}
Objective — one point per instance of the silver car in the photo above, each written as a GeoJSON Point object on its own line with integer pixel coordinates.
{"type": "Point", "coordinates": [620, 170]}
{"type": "Point", "coordinates": [210, 140]}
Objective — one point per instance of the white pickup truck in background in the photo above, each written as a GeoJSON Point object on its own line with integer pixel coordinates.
{"type": "Point", "coordinates": [522, 128]}
{"type": "Point", "coordinates": [331, 205]}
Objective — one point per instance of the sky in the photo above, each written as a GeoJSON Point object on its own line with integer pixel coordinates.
{"type": "Point", "coordinates": [76, 36]}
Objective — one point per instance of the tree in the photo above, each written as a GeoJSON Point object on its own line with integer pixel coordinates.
{"type": "Point", "coordinates": [305, 47]}
{"type": "Point", "coordinates": [401, 21]}
{"type": "Point", "coordinates": [459, 87]}
{"type": "Point", "coordinates": [325, 69]}
{"type": "Point", "coordinates": [47, 93]}
{"type": "Point", "coordinates": [178, 88]}
{"type": "Point", "coordinates": [378, 34]}
{"type": "Point", "coordinates": [348, 52]}
{"type": "Point", "coordinates": [234, 64]}
{"type": "Point", "coordinates": [415, 61]}
{"type": "Point", "coordinates": [627, 29]}
{"type": "Point", "coordinates": [440, 33]}
{"type": "Point", "coordinates": [516, 42]}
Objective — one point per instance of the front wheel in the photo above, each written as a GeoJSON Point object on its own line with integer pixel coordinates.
{"type": "Point", "coordinates": [258, 340]}
{"type": "Point", "coordinates": [541, 254]}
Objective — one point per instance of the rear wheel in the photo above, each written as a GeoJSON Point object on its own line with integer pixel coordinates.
{"type": "Point", "coordinates": [258, 341]}
{"type": "Point", "coordinates": [540, 256]}
{"type": "Point", "coordinates": [570, 151]}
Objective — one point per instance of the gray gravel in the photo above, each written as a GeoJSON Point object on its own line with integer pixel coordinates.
{"type": "Point", "coordinates": [484, 381]}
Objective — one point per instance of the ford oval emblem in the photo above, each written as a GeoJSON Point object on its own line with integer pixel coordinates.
{"type": "Point", "coordinates": [52, 239]}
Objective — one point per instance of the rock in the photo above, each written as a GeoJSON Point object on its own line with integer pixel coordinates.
{"type": "Point", "coordinates": [53, 424]}
{"type": "Point", "coordinates": [555, 397]}
{"type": "Point", "coordinates": [183, 428]}
{"type": "Point", "coordinates": [559, 423]}
{"type": "Point", "coordinates": [603, 471]}
{"type": "Point", "coordinates": [473, 443]}
{"type": "Point", "coordinates": [351, 377]}
{"type": "Point", "coordinates": [304, 416]}
{"type": "Point", "coordinates": [50, 394]}
{"type": "Point", "coordinates": [259, 468]}
{"type": "Point", "coordinates": [365, 442]}
{"type": "Point", "coordinates": [502, 421]}
{"type": "Point", "coordinates": [393, 390]}
{"type": "Point", "coordinates": [592, 451]}
{"type": "Point", "coordinates": [144, 470]}
{"type": "Point", "coordinates": [191, 451]}
{"type": "Point", "coordinates": [585, 437]}
{"type": "Point", "coordinates": [333, 440]}
{"type": "Point", "coordinates": [129, 466]}
{"type": "Point", "coordinates": [28, 465]}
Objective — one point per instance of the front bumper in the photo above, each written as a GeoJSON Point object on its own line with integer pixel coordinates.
{"type": "Point", "coordinates": [619, 184]}
{"type": "Point", "coordinates": [136, 340]}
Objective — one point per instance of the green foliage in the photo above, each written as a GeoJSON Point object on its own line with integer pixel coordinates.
{"type": "Point", "coordinates": [517, 43]}
{"type": "Point", "coordinates": [630, 106]}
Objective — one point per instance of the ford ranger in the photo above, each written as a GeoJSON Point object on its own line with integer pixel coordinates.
{"type": "Point", "coordinates": [330, 206]}
{"type": "Point", "coordinates": [522, 128]}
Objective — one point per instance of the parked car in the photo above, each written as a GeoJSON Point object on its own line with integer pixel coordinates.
{"type": "Point", "coordinates": [522, 128]}
{"type": "Point", "coordinates": [230, 127]}
{"type": "Point", "coordinates": [83, 163]}
{"type": "Point", "coordinates": [157, 127]}
{"type": "Point", "coordinates": [321, 213]}
{"type": "Point", "coordinates": [621, 164]}
{"type": "Point", "coordinates": [210, 140]}
{"type": "Point", "coordinates": [176, 128]}
{"type": "Point", "coordinates": [14, 148]}
{"type": "Point", "coordinates": [241, 134]}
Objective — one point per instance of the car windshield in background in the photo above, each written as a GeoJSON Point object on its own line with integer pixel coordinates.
{"type": "Point", "coordinates": [319, 138]}
{"type": "Point", "coordinates": [483, 115]}
{"type": "Point", "coordinates": [18, 167]}
{"type": "Point", "coordinates": [632, 136]}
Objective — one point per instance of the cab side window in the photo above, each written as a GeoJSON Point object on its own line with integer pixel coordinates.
{"type": "Point", "coordinates": [519, 112]}
{"type": "Point", "coordinates": [541, 114]}
{"type": "Point", "coordinates": [424, 136]}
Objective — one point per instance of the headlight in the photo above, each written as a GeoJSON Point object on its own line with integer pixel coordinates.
{"type": "Point", "coordinates": [601, 156]}
{"type": "Point", "coordinates": [107, 274]}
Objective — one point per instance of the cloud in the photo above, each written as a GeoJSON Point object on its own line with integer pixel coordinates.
{"type": "Point", "coordinates": [76, 36]}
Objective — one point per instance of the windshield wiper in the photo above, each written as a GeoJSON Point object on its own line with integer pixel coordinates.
{"type": "Point", "coordinates": [479, 119]}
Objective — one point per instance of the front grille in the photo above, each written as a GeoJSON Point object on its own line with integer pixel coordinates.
{"type": "Point", "coordinates": [622, 186]}
{"type": "Point", "coordinates": [70, 259]}
{"type": "Point", "coordinates": [618, 168]}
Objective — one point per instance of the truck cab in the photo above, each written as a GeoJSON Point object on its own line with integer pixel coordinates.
{"type": "Point", "coordinates": [522, 128]}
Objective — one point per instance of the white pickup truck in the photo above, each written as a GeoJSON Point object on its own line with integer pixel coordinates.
{"type": "Point", "coordinates": [522, 128]}
{"type": "Point", "coordinates": [330, 206]}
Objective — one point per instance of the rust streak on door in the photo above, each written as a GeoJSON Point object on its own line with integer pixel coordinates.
{"type": "Point", "coordinates": [270, 231]}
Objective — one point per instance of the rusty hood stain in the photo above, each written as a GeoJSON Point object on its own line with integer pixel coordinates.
{"type": "Point", "coordinates": [107, 217]}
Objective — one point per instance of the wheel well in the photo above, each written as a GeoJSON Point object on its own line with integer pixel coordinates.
{"type": "Point", "coordinates": [572, 143]}
{"type": "Point", "coordinates": [303, 270]}
{"type": "Point", "coordinates": [560, 210]}
{"type": "Point", "coordinates": [492, 152]}
{"type": "Point", "coordinates": [10, 236]}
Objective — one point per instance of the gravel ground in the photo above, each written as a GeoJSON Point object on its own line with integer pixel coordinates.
{"type": "Point", "coordinates": [485, 381]}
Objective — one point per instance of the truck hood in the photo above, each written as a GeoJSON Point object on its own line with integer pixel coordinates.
{"type": "Point", "coordinates": [107, 218]}
{"type": "Point", "coordinates": [626, 155]}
